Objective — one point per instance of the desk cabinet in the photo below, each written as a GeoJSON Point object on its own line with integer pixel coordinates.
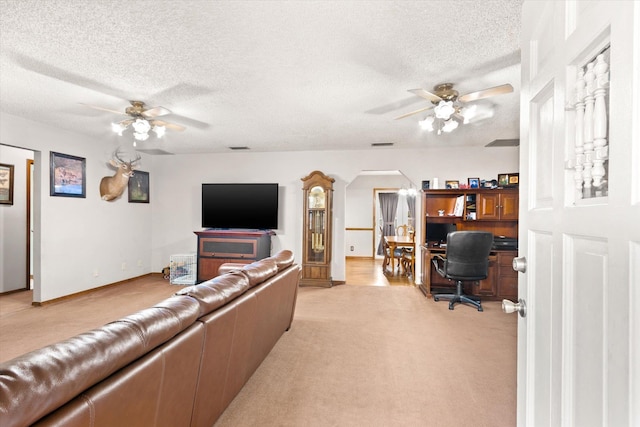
{"type": "Point", "coordinates": [507, 276]}
{"type": "Point", "coordinates": [501, 282]}
{"type": "Point", "coordinates": [498, 205]}
{"type": "Point", "coordinates": [471, 209]}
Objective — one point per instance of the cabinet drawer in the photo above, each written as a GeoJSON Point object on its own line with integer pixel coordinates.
{"type": "Point", "coordinates": [228, 248]}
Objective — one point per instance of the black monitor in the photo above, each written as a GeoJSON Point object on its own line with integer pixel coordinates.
{"type": "Point", "coordinates": [437, 232]}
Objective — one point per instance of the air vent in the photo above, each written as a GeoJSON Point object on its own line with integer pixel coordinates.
{"type": "Point", "coordinates": [504, 143]}
{"type": "Point", "coordinates": [239, 148]}
{"type": "Point", "coordinates": [382, 144]}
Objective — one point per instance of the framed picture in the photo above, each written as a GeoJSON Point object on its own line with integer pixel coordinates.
{"type": "Point", "coordinates": [473, 182]}
{"type": "Point", "coordinates": [6, 184]}
{"type": "Point", "coordinates": [503, 179]}
{"type": "Point", "coordinates": [425, 185]}
{"type": "Point", "coordinates": [452, 184]}
{"type": "Point", "coordinates": [68, 175]}
{"type": "Point", "coordinates": [514, 179]}
{"type": "Point", "coordinates": [139, 187]}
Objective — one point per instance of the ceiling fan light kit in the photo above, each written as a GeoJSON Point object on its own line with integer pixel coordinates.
{"type": "Point", "coordinates": [449, 106]}
{"type": "Point", "coordinates": [142, 121]}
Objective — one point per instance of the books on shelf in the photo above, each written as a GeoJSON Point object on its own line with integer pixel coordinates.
{"type": "Point", "coordinates": [459, 208]}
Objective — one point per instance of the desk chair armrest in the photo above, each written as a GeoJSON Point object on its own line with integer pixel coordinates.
{"type": "Point", "coordinates": [438, 263]}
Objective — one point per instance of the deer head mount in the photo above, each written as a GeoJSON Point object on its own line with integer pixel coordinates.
{"type": "Point", "coordinates": [112, 187]}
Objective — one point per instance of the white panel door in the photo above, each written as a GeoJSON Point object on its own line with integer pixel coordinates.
{"type": "Point", "coordinates": [579, 343]}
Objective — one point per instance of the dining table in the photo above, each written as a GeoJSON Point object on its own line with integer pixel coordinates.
{"type": "Point", "coordinates": [398, 242]}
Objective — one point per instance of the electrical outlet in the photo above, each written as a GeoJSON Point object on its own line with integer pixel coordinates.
{"type": "Point", "coordinates": [124, 266]}
{"type": "Point", "coordinates": [95, 273]}
{"type": "Point", "coordinates": [352, 248]}
{"type": "Point", "coordinates": [139, 263]}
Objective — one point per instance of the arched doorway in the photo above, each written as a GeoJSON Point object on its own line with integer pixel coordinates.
{"type": "Point", "coordinates": [363, 217]}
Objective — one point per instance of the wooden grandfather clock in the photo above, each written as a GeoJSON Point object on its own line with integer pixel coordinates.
{"type": "Point", "coordinates": [317, 231]}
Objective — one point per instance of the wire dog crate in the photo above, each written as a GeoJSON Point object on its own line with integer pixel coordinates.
{"type": "Point", "coordinates": [182, 269]}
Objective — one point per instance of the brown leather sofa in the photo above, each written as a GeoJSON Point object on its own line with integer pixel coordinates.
{"type": "Point", "coordinates": [178, 363]}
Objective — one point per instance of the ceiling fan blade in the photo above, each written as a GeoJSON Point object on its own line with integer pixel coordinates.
{"type": "Point", "coordinates": [168, 125]}
{"type": "Point", "coordinates": [426, 95]}
{"type": "Point", "coordinates": [486, 93]}
{"type": "Point", "coordinates": [155, 112]}
{"type": "Point", "coordinates": [126, 122]}
{"type": "Point", "coordinates": [413, 112]}
{"type": "Point", "coordinates": [104, 109]}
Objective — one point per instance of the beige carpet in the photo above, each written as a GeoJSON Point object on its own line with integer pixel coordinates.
{"type": "Point", "coordinates": [24, 327]}
{"type": "Point", "coordinates": [355, 355]}
{"type": "Point", "coordinates": [384, 356]}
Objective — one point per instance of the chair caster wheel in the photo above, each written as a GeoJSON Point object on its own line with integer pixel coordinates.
{"type": "Point", "coordinates": [480, 309]}
{"type": "Point", "coordinates": [436, 299]}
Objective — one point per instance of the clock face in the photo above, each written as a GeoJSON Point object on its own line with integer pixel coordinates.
{"type": "Point", "coordinates": [316, 198]}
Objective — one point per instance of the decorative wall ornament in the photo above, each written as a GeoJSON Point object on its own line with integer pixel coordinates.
{"type": "Point", "coordinates": [112, 187]}
{"type": "Point", "coordinates": [591, 128]}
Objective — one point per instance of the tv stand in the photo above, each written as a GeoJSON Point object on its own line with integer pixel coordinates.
{"type": "Point", "coordinates": [218, 246]}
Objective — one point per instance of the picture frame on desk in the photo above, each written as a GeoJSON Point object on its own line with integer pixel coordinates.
{"type": "Point", "coordinates": [508, 179]}
{"type": "Point", "coordinates": [452, 184]}
{"type": "Point", "coordinates": [473, 182]}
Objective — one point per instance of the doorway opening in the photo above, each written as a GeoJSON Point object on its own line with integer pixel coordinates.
{"type": "Point", "coordinates": [363, 219]}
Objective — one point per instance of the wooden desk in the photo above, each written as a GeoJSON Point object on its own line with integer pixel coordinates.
{"type": "Point", "coordinates": [395, 242]}
{"type": "Point", "coordinates": [501, 282]}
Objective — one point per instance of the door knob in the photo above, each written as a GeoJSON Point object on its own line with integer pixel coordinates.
{"type": "Point", "coordinates": [510, 307]}
{"type": "Point", "coordinates": [520, 264]}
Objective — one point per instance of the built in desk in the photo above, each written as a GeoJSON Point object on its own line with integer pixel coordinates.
{"type": "Point", "coordinates": [501, 282]}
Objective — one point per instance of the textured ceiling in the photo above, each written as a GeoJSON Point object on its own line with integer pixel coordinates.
{"type": "Point", "coordinates": [271, 75]}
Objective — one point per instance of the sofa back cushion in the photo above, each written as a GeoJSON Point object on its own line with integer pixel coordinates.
{"type": "Point", "coordinates": [283, 259]}
{"type": "Point", "coordinates": [218, 291]}
{"type": "Point", "coordinates": [259, 271]}
{"type": "Point", "coordinates": [63, 370]}
{"type": "Point", "coordinates": [156, 390]}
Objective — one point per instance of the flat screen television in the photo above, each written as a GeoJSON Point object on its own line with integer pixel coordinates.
{"type": "Point", "coordinates": [242, 206]}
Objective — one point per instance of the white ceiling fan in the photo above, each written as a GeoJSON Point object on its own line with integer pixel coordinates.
{"type": "Point", "coordinates": [448, 104]}
{"type": "Point", "coordinates": [142, 119]}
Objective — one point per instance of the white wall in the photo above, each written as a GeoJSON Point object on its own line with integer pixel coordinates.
{"type": "Point", "coordinates": [176, 195]}
{"type": "Point", "coordinates": [13, 223]}
{"type": "Point", "coordinates": [76, 238]}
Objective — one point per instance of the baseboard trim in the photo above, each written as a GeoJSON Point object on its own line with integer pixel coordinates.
{"type": "Point", "coordinates": [89, 291]}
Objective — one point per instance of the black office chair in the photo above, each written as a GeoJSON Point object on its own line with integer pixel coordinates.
{"type": "Point", "coordinates": [467, 258]}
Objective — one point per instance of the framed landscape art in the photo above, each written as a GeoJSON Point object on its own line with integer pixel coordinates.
{"type": "Point", "coordinates": [6, 184]}
{"type": "Point", "coordinates": [68, 175]}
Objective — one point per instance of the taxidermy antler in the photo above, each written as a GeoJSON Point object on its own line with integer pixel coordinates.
{"type": "Point", "coordinates": [111, 187]}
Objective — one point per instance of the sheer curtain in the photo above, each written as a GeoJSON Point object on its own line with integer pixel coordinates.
{"type": "Point", "coordinates": [411, 203]}
{"type": "Point", "coordinates": [388, 208]}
